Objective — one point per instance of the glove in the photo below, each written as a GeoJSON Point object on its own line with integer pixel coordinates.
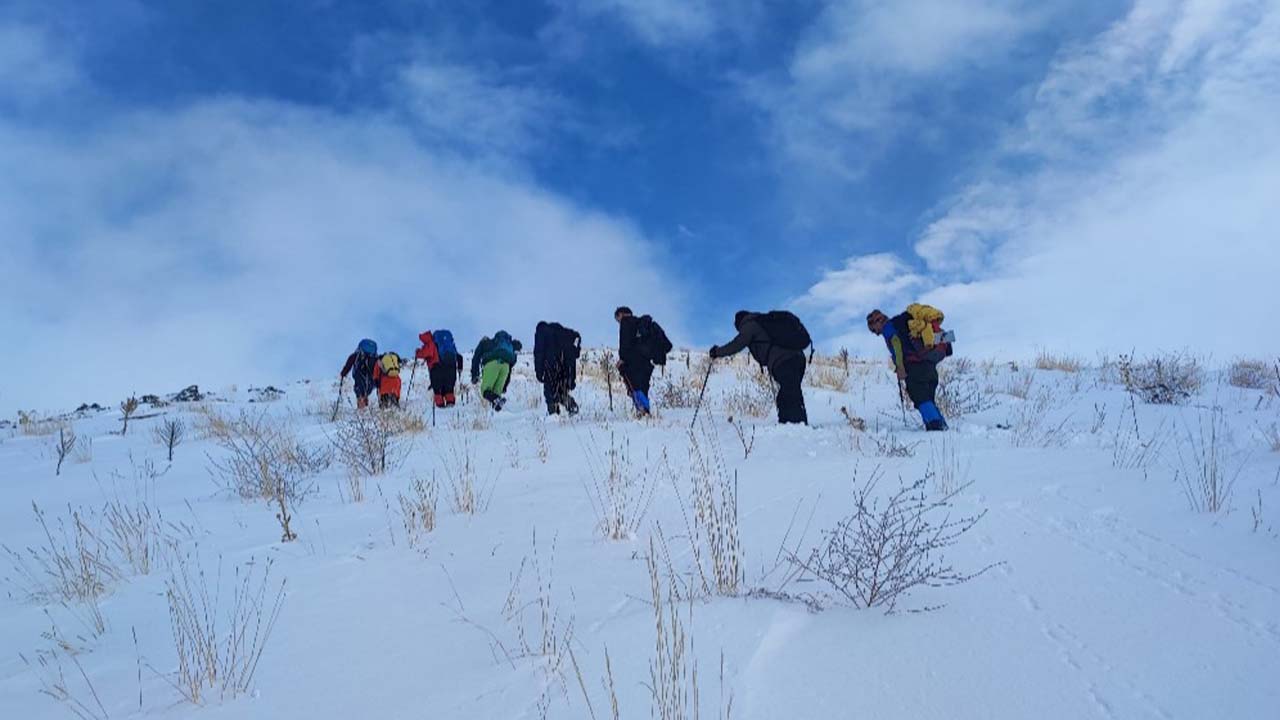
{"type": "Point", "coordinates": [715, 349]}
{"type": "Point", "coordinates": [475, 379]}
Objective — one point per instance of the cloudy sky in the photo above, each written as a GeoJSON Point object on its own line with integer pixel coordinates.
{"type": "Point", "coordinates": [221, 192]}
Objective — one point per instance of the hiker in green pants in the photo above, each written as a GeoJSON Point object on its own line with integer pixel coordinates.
{"type": "Point", "coordinates": [491, 366]}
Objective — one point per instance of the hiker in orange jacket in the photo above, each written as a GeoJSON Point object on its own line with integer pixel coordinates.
{"type": "Point", "coordinates": [386, 373]}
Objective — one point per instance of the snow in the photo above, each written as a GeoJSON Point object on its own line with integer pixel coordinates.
{"type": "Point", "coordinates": [1109, 596]}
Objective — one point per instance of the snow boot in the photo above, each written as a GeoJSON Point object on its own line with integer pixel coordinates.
{"type": "Point", "coordinates": [936, 425]}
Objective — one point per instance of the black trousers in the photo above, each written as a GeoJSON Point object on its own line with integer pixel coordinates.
{"type": "Point", "coordinates": [922, 382]}
{"type": "Point", "coordinates": [789, 374]}
{"type": "Point", "coordinates": [444, 378]}
{"type": "Point", "coordinates": [638, 375]}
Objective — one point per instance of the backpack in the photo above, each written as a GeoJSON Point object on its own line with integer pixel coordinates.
{"type": "Point", "coordinates": [784, 330]}
{"type": "Point", "coordinates": [653, 340]}
{"type": "Point", "coordinates": [502, 349]}
{"type": "Point", "coordinates": [390, 365]}
{"type": "Point", "coordinates": [568, 343]}
{"type": "Point", "coordinates": [444, 343]}
{"type": "Point", "coordinates": [368, 347]}
{"type": "Point", "coordinates": [925, 323]}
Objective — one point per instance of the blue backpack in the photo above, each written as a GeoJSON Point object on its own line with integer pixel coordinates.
{"type": "Point", "coordinates": [444, 343]}
{"type": "Point", "coordinates": [503, 349]}
{"type": "Point", "coordinates": [368, 347]}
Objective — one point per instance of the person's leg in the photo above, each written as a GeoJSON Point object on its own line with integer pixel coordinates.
{"type": "Point", "coordinates": [790, 378]}
{"type": "Point", "coordinates": [448, 383]}
{"type": "Point", "coordinates": [551, 393]}
{"type": "Point", "coordinates": [922, 387]}
{"type": "Point", "coordinates": [489, 380]}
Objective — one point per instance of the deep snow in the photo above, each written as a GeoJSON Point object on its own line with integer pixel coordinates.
{"type": "Point", "coordinates": [1112, 599]}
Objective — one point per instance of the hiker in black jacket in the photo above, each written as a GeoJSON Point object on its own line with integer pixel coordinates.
{"type": "Point", "coordinates": [634, 361]}
{"type": "Point", "coordinates": [555, 364]}
{"type": "Point", "coordinates": [786, 365]}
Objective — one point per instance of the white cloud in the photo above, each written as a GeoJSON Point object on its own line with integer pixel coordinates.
{"type": "Point", "coordinates": [466, 108]}
{"type": "Point", "coordinates": [1149, 219]}
{"type": "Point", "coordinates": [847, 91]}
{"type": "Point", "coordinates": [232, 241]}
{"type": "Point", "coordinates": [662, 24]}
{"type": "Point", "coordinates": [31, 66]}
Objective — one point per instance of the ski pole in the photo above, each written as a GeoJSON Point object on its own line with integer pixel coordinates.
{"type": "Point", "coordinates": [701, 393]}
{"type": "Point", "coordinates": [902, 403]}
{"type": "Point", "coordinates": [337, 403]}
{"type": "Point", "coordinates": [413, 371]}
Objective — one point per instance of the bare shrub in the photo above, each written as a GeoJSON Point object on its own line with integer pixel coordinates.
{"type": "Point", "coordinates": [1019, 385]}
{"type": "Point", "coordinates": [713, 531]}
{"type": "Point", "coordinates": [1030, 425]}
{"type": "Point", "coordinates": [888, 444]}
{"type": "Point", "coordinates": [469, 493]}
{"type": "Point", "coordinates": [676, 392]}
{"type": "Point", "coordinates": [169, 434]}
{"type": "Point", "coordinates": [62, 448]}
{"type": "Point", "coordinates": [84, 450]}
{"type": "Point", "coordinates": [620, 489]}
{"type": "Point", "coordinates": [885, 550]}
{"type": "Point", "coordinates": [371, 443]}
{"type": "Point", "coordinates": [960, 394]}
{"type": "Point", "coordinates": [128, 407]}
{"type": "Point", "coordinates": [31, 424]}
{"type": "Point", "coordinates": [1206, 478]}
{"type": "Point", "coordinates": [1166, 380]}
{"type": "Point", "coordinates": [219, 648]}
{"type": "Point", "coordinates": [827, 378]}
{"type": "Point", "coordinates": [1061, 362]}
{"type": "Point", "coordinates": [418, 508]}
{"type": "Point", "coordinates": [1252, 374]}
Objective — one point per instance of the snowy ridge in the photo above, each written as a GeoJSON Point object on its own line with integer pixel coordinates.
{"type": "Point", "coordinates": [1109, 595]}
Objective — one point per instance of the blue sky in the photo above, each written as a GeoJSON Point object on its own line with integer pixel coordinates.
{"type": "Point", "coordinates": [255, 185]}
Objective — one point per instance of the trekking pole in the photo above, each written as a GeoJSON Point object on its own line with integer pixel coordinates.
{"type": "Point", "coordinates": [412, 371]}
{"type": "Point", "coordinates": [337, 403]}
{"type": "Point", "coordinates": [902, 403]}
{"type": "Point", "coordinates": [701, 393]}
{"type": "Point", "coordinates": [433, 413]}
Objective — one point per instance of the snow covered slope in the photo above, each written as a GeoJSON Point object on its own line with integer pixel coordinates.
{"type": "Point", "coordinates": [1108, 594]}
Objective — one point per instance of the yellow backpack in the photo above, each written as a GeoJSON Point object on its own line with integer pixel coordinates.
{"type": "Point", "coordinates": [391, 365]}
{"type": "Point", "coordinates": [925, 323]}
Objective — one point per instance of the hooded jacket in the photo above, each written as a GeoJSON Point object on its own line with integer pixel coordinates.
{"type": "Point", "coordinates": [753, 337]}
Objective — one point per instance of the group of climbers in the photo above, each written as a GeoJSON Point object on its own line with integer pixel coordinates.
{"type": "Point", "coordinates": [777, 340]}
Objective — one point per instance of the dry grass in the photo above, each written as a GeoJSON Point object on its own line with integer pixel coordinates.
{"type": "Point", "coordinates": [418, 508]}
{"type": "Point", "coordinates": [1254, 374]}
{"type": "Point", "coordinates": [713, 527]}
{"type": "Point", "coordinates": [620, 490]}
{"type": "Point", "coordinates": [752, 396]}
{"type": "Point", "coordinates": [219, 648]}
{"type": "Point", "coordinates": [373, 442]}
{"type": "Point", "coordinates": [1271, 436]}
{"type": "Point", "coordinates": [74, 565]}
{"type": "Point", "coordinates": [1207, 475]}
{"type": "Point", "coordinates": [1165, 380]}
{"type": "Point", "coordinates": [1030, 425]}
{"type": "Point", "coordinates": [834, 378]}
{"type": "Point", "coordinates": [1061, 362]}
{"type": "Point", "coordinates": [469, 493]}
{"type": "Point", "coordinates": [1130, 450]}
{"type": "Point", "coordinates": [31, 424]}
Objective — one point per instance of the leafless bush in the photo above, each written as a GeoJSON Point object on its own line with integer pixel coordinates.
{"type": "Point", "coordinates": [1206, 478]}
{"type": "Point", "coordinates": [418, 508]}
{"type": "Point", "coordinates": [620, 490]}
{"type": "Point", "coordinates": [1064, 363]}
{"type": "Point", "coordinates": [1253, 374]}
{"type": "Point", "coordinates": [169, 434]}
{"type": "Point", "coordinates": [884, 550]}
{"type": "Point", "coordinates": [128, 407]}
{"type": "Point", "coordinates": [888, 444]}
{"type": "Point", "coordinates": [713, 530]}
{"type": "Point", "coordinates": [1030, 425]}
{"type": "Point", "coordinates": [84, 450]}
{"type": "Point", "coordinates": [960, 394]}
{"type": "Point", "coordinates": [218, 649]}
{"type": "Point", "coordinates": [371, 443]}
{"type": "Point", "coordinates": [62, 448]}
{"type": "Point", "coordinates": [677, 392]}
{"type": "Point", "coordinates": [31, 424]}
{"type": "Point", "coordinates": [1167, 380]}
{"type": "Point", "coordinates": [469, 493]}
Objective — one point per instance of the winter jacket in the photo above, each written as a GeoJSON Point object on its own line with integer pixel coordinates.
{"type": "Point", "coordinates": [477, 357]}
{"type": "Point", "coordinates": [555, 353]}
{"type": "Point", "coordinates": [630, 351]}
{"type": "Point", "coordinates": [428, 353]}
{"type": "Point", "coordinates": [387, 384]}
{"type": "Point", "coordinates": [361, 363]}
{"type": "Point", "coordinates": [753, 337]}
{"type": "Point", "coordinates": [499, 347]}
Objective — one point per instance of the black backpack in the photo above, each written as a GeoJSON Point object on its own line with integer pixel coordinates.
{"type": "Point", "coordinates": [653, 340]}
{"type": "Point", "coordinates": [785, 330]}
{"type": "Point", "coordinates": [567, 341]}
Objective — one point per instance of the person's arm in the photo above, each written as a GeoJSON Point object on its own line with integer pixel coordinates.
{"type": "Point", "coordinates": [539, 355]}
{"type": "Point", "coordinates": [626, 336]}
{"type": "Point", "coordinates": [516, 345]}
{"type": "Point", "coordinates": [896, 352]}
{"type": "Point", "coordinates": [475, 365]}
{"type": "Point", "coordinates": [351, 361]}
{"type": "Point", "coordinates": [736, 345]}
{"type": "Point", "coordinates": [458, 355]}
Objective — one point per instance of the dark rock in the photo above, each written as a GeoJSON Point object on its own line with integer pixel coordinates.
{"type": "Point", "coordinates": [190, 393]}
